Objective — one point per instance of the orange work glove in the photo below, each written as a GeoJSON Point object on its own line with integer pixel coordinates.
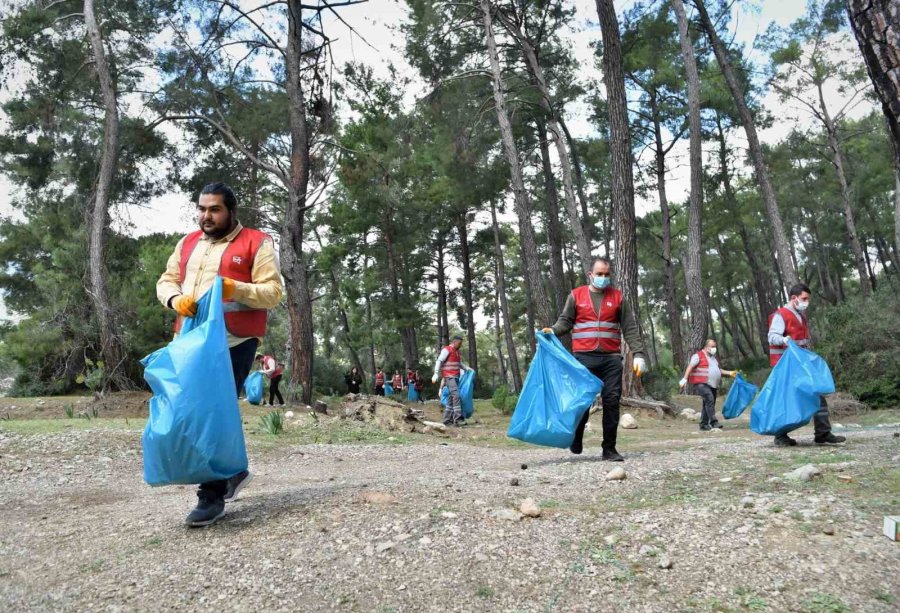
{"type": "Point", "coordinates": [185, 305]}
{"type": "Point", "coordinates": [227, 288]}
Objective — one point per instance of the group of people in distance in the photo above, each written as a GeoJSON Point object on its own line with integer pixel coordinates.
{"type": "Point", "coordinates": [597, 314]}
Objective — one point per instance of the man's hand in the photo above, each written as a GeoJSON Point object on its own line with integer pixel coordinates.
{"type": "Point", "coordinates": [185, 305]}
{"type": "Point", "coordinates": [227, 288]}
{"type": "Point", "coordinates": [682, 383]}
{"type": "Point", "coordinates": [434, 378]}
{"type": "Point", "coordinates": [785, 339]}
{"type": "Point", "coordinates": [547, 331]}
{"type": "Point", "coordinates": [639, 366]}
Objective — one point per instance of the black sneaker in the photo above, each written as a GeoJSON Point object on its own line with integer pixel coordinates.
{"type": "Point", "coordinates": [705, 428]}
{"type": "Point", "coordinates": [716, 426]}
{"type": "Point", "coordinates": [785, 441]}
{"type": "Point", "coordinates": [209, 509]}
{"type": "Point", "coordinates": [611, 455]}
{"type": "Point", "coordinates": [577, 445]}
{"type": "Point", "coordinates": [830, 439]}
{"type": "Point", "coordinates": [236, 484]}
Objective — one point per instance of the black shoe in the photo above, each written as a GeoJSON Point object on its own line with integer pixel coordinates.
{"type": "Point", "coordinates": [236, 484]}
{"type": "Point", "coordinates": [705, 428]}
{"type": "Point", "coordinates": [611, 455]}
{"type": "Point", "coordinates": [209, 509]}
{"type": "Point", "coordinates": [785, 441]}
{"type": "Point", "coordinates": [830, 439]}
{"type": "Point", "coordinates": [577, 445]}
{"type": "Point", "coordinates": [716, 426]}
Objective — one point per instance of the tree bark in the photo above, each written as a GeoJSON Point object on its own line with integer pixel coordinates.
{"type": "Point", "coordinates": [530, 262]}
{"type": "Point", "coordinates": [498, 347]}
{"type": "Point", "coordinates": [579, 182]}
{"type": "Point", "coordinates": [467, 290]}
{"type": "Point", "coordinates": [554, 231]}
{"type": "Point", "coordinates": [788, 270]}
{"type": "Point", "coordinates": [512, 354]}
{"type": "Point", "coordinates": [443, 321]}
{"type": "Point", "coordinates": [693, 260]}
{"type": "Point", "coordinates": [111, 347]}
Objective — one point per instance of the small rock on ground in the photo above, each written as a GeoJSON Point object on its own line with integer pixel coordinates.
{"type": "Point", "coordinates": [616, 474]}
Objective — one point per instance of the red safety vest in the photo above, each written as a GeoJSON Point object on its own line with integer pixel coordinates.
{"type": "Point", "coordinates": [237, 263]}
{"type": "Point", "coordinates": [410, 377]}
{"type": "Point", "coordinates": [397, 381]}
{"type": "Point", "coordinates": [593, 332]}
{"type": "Point", "coordinates": [453, 365]}
{"type": "Point", "coordinates": [267, 362]}
{"type": "Point", "coordinates": [700, 374]}
{"type": "Point", "coordinates": [379, 379]}
{"type": "Point", "coordinates": [797, 329]}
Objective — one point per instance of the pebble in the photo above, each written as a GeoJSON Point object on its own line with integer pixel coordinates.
{"type": "Point", "coordinates": [514, 481]}
{"type": "Point", "coordinates": [665, 563]}
{"type": "Point", "coordinates": [647, 550]}
{"type": "Point", "coordinates": [747, 502]}
{"type": "Point", "coordinates": [524, 466]}
{"type": "Point", "coordinates": [529, 508]}
{"type": "Point", "coordinates": [616, 474]}
{"type": "Point", "coordinates": [803, 473]}
{"type": "Point", "coordinates": [449, 515]}
{"type": "Point", "coordinates": [382, 547]}
{"type": "Point", "coordinates": [828, 529]}
{"type": "Point", "coordinates": [507, 514]}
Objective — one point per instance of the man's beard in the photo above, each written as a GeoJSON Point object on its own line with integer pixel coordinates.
{"type": "Point", "coordinates": [219, 232]}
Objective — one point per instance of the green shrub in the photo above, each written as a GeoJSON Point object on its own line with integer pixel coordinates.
{"type": "Point", "coordinates": [511, 401]}
{"type": "Point", "coordinates": [660, 383]}
{"type": "Point", "coordinates": [272, 422]}
{"type": "Point", "coordinates": [499, 398]}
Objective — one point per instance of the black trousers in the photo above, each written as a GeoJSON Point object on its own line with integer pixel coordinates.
{"type": "Point", "coordinates": [608, 368]}
{"type": "Point", "coordinates": [379, 390]}
{"type": "Point", "coordinates": [708, 412]}
{"type": "Point", "coordinates": [273, 390]}
{"type": "Point", "coordinates": [821, 421]}
{"type": "Point", "coordinates": [241, 362]}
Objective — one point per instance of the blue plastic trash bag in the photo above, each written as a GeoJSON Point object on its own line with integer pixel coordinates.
{"type": "Point", "coordinates": [194, 432]}
{"type": "Point", "coordinates": [254, 386]}
{"type": "Point", "coordinates": [388, 389]}
{"type": "Point", "coordinates": [557, 392]}
{"type": "Point", "coordinates": [445, 396]}
{"type": "Point", "coordinates": [790, 396]}
{"type": "Point", "coordinates": [411, 394]}
{"type": "Point", "coordinates": [739, 397]}
{"type": "Point", "coordinates": [467, 393]}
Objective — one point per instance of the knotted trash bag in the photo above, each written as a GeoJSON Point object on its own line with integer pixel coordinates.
{"type": "Point", "coordinates": [467, 393]}
{"type": "Point", "coordinates": [791, 395]}
{"type": "Point", "coordinates": [253, 387]}
{"type": "Point", "coordinates": [194, 432]}
{"type": "Point", "coordinates": [739, 397]}
{"type": "Point", "coordinates": [388, 389]}
{"type": "Point", "coordinates": [411, 394]}
{"type": "Point", "coordinates": [557, 392]}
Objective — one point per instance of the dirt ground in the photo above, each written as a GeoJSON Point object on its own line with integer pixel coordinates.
{"type": "Point", "coordinates": [344, 517]}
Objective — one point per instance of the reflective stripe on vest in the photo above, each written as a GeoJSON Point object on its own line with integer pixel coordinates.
{"type": "Point", "coordinates": [797, 329]}
{"type": "Point", "coordinates": [594, 331]}
{"type": "Point", "coordinates": [700, 374]}
{"type": "Point", "coordinates": [453, 364]}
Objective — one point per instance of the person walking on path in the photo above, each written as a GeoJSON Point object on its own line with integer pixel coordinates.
{"type": "Point", "coordinates": [449, 365]}
{"type": "Point", "coordinates": [245, 259]}
{"type": "Point", "coordinates": [354, 380]}
{"type": "Point", "coordinates": [598, 316]}
{"type": "Point", "coordinates": [704, 374]}
{"type": "Point", "coordinates": [379, 382]}
{"type": "Point", "coordinates": [790, 323]}
{"type": "Point", "coordinates": [273, 370]}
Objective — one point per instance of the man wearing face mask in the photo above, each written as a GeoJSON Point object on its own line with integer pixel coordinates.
{"type": "Point", "coordinates": [449, 365]}
{"type": "Point", "coordinates": [598, 316]}
{"type": "Point", "coordinates": [704, 374]}
{"type": "Point", "coordinates": [790, 323]}
{"type": "Point", "coordinates": [246, 261]}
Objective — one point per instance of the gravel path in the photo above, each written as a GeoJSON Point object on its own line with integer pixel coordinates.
{"type": "Point", "coordinates": [432, 527]}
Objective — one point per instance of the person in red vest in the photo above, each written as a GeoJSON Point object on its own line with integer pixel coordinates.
{"type": "Point", "coordinates": [598, 316]}
{"type": "Point", "coordinates": [419, 385]}
{"type": "Point", "coordinates": [397, 381]}
{"type": "Point", "coordinates": [273, 370]}
{"type": "Point", "coordinates": [411, 378]}
{"type": "Point", "coordinates": [379, 382]}
{"type": "Point", "coordinates": [245, 259]}
{"type": "Point", "coordinates": [790, 323]}
{"type": "Point", "coordinates": [704, 374]}
{"type": "Point", "coordinates": [449, 365]}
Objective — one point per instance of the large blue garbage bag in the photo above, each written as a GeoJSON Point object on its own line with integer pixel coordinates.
{"type": "Point", "coordinates": [790, 396]}
{"type": "Point", "coordinates": [388, 389]}
{"type": "Point", "coordinates": [467, 393]}
{"type": "Point", "coordinates": [254, 386]}
{"type": "Point", "coordinates": [557, 392]}
{"type": "Point", "coordinates": [194, 432]}
{"type": "Point", "coordinates": [411, 394]}
{"type": "Point", "coordinates": [445, 396]}
{"type": "Point", "coordinates": [739, 397]}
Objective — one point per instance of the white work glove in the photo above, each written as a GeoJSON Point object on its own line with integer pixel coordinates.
{"type": "Point", "coordinates": [682, 383]}
{"type": "Point", "coordinates": [434, 378]}
{"type": "Point", "coordinates": [639, 366]}
{"type": "Point", "coordinates": [785, 339]}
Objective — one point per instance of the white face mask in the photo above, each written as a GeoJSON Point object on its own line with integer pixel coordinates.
{"type": "Point", "coordinates": [802, 306]}
{"type": "Point", "coordinates": [711, 351]}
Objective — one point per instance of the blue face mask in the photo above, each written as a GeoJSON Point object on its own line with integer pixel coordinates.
{"type": "Point", "coordinates": [601, 282]}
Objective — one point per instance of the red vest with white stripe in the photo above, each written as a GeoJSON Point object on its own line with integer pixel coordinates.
{"type": "Point", "coordinates": [270, 362]}
{"type": "Point", "coordinates": [593, 331]}
{"type": "Point", "coordinates": [379, 379]}
{"type": "Point", "coordinates": [397, 381]}
{"type": "Point", "coordinates": [700, 374]}
{"type": "Point", "coordinates": [797, 329]}
{"type": "Point", "coordinates": [237, 263]}
{"type": "Point", "coordinates": [453, 364]}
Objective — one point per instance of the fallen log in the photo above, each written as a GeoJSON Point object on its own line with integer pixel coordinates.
{"type": "Point", "coordinates": [662, 407]}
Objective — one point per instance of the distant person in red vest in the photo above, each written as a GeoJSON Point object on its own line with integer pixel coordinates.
{"type": "Point", "coordinates": [397, 381]}
{"type": "Point", "coordinates": [704, 374]}
{"type": "Point", "coordinates": [598, 316]}
{"type": "Point", "coordinates": [379, 382]}
{"type": "Point", "coordinates": [790, 323]}
{"type": "Point", "coordinates": [245, 258]}
{"type": "Point", "coordinates": [419, 385]}
{"type": "Point", "coordinates": [273, 370]}
{"type": "Point", "coordinates": [449, 365]}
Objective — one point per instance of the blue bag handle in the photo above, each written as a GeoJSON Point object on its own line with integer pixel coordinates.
{"type": "Point", "coordinates": [209, 308]}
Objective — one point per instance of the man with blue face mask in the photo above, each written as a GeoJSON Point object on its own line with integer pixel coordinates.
{"type": "Point", "coordinates": [790, 323]}
{"type": "Point", "coordinates": [704, 375]}
{"type": "Point", "coordinates": [598, 317]}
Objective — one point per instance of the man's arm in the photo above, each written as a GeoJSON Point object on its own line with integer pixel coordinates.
{"type": "Point", "coordinates": [566, 320]}
{"type": "Point", "coordinates": [169, 284]}
{"type": "Point", "coordinates": [776, 331]}
{"type": "Point", "coordinates": [266, 289]}
{"type": "Point", "coordinates": [631, 331]}
{"type": "Point", "coordinates": [269, 366]}
{"type": "Point", "coordinates": [442, 357]}
{"type": "Point", "coordinates": [695, 359]}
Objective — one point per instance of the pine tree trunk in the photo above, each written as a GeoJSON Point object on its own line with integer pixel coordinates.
{"type": "Point", "coordinates": [498, 347]}
{"type": "Point", "coordinates": [111, 348]}
{"type": "Point", "coordinates": [467, 291]}
{"type": "Point", "coordinates": [579, 182]}
{"type": "Point", "coordinates": [530, 263]}
{"type": "Point", "coordinates": [512, 354]}
{"type": "Point", "coordinates": [788, 270]}
{"type": "Point", "coordinates": [443, 320]}
{"type": "Point", "coordinates": [554, 232]}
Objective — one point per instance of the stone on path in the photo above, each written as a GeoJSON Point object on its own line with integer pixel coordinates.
{"type": "Point", "coordinates": [804, 473]}
{"type": "Point", "coordinates": [628, 422]}
{"type": "Point", "coordinates": [529, 508]}
{"type": "Point", "coordinates": [616, 474]}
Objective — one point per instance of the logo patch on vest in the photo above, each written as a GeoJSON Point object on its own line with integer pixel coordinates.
{"type": "Point", "coordinates": [609, 303]}
{"type": "Point", "coordinates": [236, 259]}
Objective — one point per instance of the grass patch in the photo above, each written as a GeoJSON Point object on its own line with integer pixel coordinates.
{"type": "Point", "coordinates": [153, 541]}
{"type": "Point", "coordinates": [550, 504]}
{"type": "Point", "coordinates": [93, 567]}
{"type": "Point", "coordinates": [884, 597]}
{"type": "Point", "coordinates": [484, 591]}
{"type": "Point", "coordinates": [824, 603]}
{"type": "Point", "coordinates": [54, 426]}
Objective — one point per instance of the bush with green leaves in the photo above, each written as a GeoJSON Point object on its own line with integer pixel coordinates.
{"type": "Point", "coordinates": [272, 422]}
{"type": "Point", "coordinates": [499, 398]}
{"type": "Point", "coordinates": [511, 401]}
{"type": "Point", "coordinates": [660, 382]}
